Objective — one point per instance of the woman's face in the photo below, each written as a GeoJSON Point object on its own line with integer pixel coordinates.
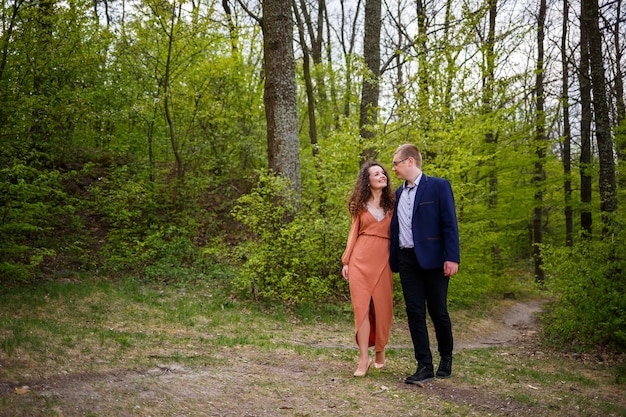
{"type": "Point", "coordinates": [377, 179]}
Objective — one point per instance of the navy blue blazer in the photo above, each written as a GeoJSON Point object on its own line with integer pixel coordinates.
{"type": "Point", "coordinates": [435, 228]}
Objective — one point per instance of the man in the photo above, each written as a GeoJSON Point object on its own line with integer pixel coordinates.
{"type": "Point", "coordinates": [425, 251]}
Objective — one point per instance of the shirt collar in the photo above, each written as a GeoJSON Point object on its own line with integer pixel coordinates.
{"type": "Point", "coordinates": [415, 183]}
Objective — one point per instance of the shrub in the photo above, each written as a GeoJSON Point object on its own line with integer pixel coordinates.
{"type": "Point", "coordinates": [36, 215]}
{"type": "Point", "coordinates": [149, 230]}
{"type": "Point", "coordinates": [295, 253]}
{"type": "Point", "coordinates": [590, 282]}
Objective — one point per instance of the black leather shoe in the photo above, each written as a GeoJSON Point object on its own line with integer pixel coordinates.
{"type": "Point", "coordinates": [445, 367]}
{"type": "Point", "coordinates": [423, 374]}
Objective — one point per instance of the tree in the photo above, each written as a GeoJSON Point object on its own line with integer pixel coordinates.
{"type": "Point", "coordinates": [280, 94]}
{"type": "Point", "coordinates": [491, 140]}
{"type": "Point", "coordinates": [491, 136]}
{"type": "Point", "coordinates": [347, 34]}
{"type": "Point", "coordinates": [169, 29]}
{"type": "Point", "coordinates": [586, 117]}
{"type": "Point", "coordinates": [607, 186]}
{"type": "Point", "coordinates": [371, 88]}
{"type": "Point", "coordinates": [422, 50]}
{"type": "Point", "coordinates": [620, 106]}
{"type": "Point", "coordinates": [312, 18]}
{"type": "Point", "coordinates": [308, 78]}
{"type": "Point", "coordinates": [540, 145]}
{"type": "Point", "coordinates": [567, 135]}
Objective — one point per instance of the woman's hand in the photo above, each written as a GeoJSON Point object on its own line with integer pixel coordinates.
{"type": "Point", "coordinates": [344, 272]}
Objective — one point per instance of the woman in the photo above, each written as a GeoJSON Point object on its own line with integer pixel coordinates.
{"type": "Point", "coordinates": [366, 263]}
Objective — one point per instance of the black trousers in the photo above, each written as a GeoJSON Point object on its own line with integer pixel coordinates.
{"type": "Point", "coordinates": [425, 289]}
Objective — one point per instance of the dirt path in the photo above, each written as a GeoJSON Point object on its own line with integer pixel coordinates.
{"type": "Point", "coordinates": [518, 321]}
{"type": "Point", "coordinates": [243, 381]}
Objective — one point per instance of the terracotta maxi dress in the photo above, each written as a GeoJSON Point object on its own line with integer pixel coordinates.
{"type": "Point", "coordinates": [370, 276]}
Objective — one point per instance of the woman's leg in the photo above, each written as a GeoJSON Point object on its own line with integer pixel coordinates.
{"type": "Point", "coordinates": [362, 340]}
{"type": "Point", "coordinates": [380, 359]}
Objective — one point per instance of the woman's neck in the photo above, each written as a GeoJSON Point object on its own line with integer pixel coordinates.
{"type": "Point", "coordinates": [375, 197]}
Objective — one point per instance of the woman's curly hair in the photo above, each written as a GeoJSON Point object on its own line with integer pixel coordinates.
{"type": "Point", "coordinates": [361, 192]}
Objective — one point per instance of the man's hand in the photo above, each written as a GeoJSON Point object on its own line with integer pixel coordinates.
{"type": "Point", "coordinates": [450, 268]}
{"type": "Point", "coordinates": [344, 272]}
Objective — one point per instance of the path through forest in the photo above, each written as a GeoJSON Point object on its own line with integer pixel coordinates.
{"type": "Point", "coordinates": [246, 381]}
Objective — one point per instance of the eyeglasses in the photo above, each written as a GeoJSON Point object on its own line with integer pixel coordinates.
{"type": "Point", "coordinates": [396, 163]}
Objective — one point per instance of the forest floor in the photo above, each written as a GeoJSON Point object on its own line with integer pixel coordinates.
{"type": "Point", "coordinates": [499, 370]}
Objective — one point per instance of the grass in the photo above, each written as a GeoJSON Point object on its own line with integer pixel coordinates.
{"type": "Point", "coordinates": [82, 337]}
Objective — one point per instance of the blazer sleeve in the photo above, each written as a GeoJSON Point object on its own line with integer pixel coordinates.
{"type": "Point", "coordinates": [352, 237]}
{"type": "Point", "coordinates": [449, 225]}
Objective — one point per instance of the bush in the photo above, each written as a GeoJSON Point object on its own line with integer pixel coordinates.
{"type": "Point", "coordinates": [295, 254]}
{"type": "Point", "coordinates": [150, 230]}
{"type": "Point", "coordinates": [590, 282]}
{"type": "Point", "coordinates": [36, 215]}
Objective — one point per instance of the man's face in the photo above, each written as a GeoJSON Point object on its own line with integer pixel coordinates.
{"type": "Point", "coordinates": [400, 166]}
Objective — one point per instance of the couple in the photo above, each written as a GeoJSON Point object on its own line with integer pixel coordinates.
{"type": "Point", "coordinates": [415, 234]}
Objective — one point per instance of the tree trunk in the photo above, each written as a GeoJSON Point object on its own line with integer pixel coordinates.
{"type": "Point", "coordinates": [450, 59]}
{"type": "Point", "coordinates": [308, 80]}
{"type": "Point", "coordinates": [316, 39]}
{"type": "Point", "coordinates": [313, 55]}
{"type": "Point", "coordinates": [540, 146]}
{"type": "Point", "coordinates": [488, 94]}
{"type": "Point", "coordinates": [280, 94]}
{"type": "Point", "coordinates": [7, 33]}
{"type": "Point", "coordinates": [608, 192]}
{"type": "Point", "coordinates": [567, 136]}
{"type": "Point", "coordinates": [371, 88]}
{"type": "Point", "coordinates": [422, 75]}
{"type": "Point", "coordinates": [231, 27]}
{"type": "Point", "coordinates": [491, 137]}
{"type": "Point", "coordinates": [5, 41]}
{"type": "Point", "coordinates": [586, 218]}
{"type": "Point", "coordinates": [39, 131]}
{"type": "Point", "coordinates": [400, 86]}
{"type": "Point", "coordinates": [620, 106]}
{"type": "Point", "coordinates": [348, 46]}
{"type": "Point", "coordinates": [167, 94]}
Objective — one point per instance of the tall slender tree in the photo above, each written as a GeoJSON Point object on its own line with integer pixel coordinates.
{"type": "Point", "coordinates": [171, 33]}
{"type": "Point", "coordinates": [421, 45]}
{"type": "Point", "coordinates": [41, 77]}
{"type": "Point", "coordinates": [567, 135]}
{"type": "Point", "coordinates": [607, 185]}
{"type": "Point", "coordinates": [371, 81]}
{"type": "Point", "coordinates": [313, 19]}
{"type": "Point", "coordinates": [586, 118]}
{"type": "Point", "coordinates": [347, 41]}
{"type": "Point", "coordinates": [308, 81]}
{"type": "Point", "coordinates": [620, 106]}
{"type": "Point", "coordinates": [540, 145]}
{"type": "Point", "coordinates": [491, 139]}
{"type": "Point", "coordinates": [491, 136]}
{"type": "Point", "coordinates": [9, 25]}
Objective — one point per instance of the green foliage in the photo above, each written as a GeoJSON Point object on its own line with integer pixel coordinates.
{"type": "Point", "coordinates": [87, 157]}
{"type": "Point", "coordinates": [35, 213]}
{"type": "Point", "coordinates": [295, 254]}
{"type": "Point", "coordinates": [589, 281]}
{"type": "Point", "coordinates": [148, 230]}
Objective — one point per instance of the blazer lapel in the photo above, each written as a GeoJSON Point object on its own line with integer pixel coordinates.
{"type": "Point", "coordinates": [420, 192]}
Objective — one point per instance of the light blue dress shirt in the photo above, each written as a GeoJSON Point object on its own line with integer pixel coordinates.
{"type": "Point", "coordinates": [405, 213]}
